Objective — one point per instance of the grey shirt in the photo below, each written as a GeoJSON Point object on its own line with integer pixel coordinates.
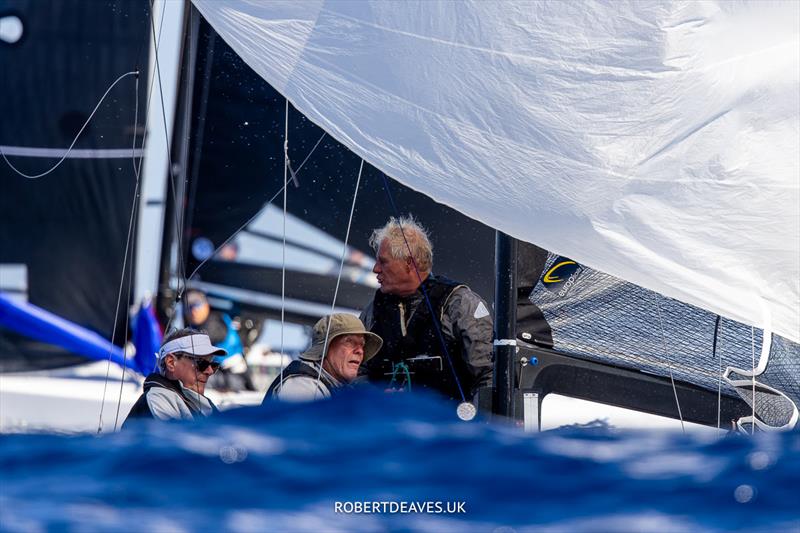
{"type": "Point", "coordinates": [299, 388]}
{"type": "Point", "coordinates": [166, 404]}
{"type": "Point", "coordinates": [465, 318]}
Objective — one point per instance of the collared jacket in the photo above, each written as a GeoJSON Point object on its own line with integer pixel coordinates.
{"type": "Point", "coordinates": [168, 399]}
{"type": "Point", "coordinates": [408, 330]}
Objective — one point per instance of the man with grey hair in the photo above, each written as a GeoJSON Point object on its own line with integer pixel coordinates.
{"type": "Point", "coordinates": [175, 391]}
{"type": "Point", "coordinates": [437, 333]}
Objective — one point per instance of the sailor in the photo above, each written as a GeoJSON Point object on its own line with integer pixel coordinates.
{"type": "Point", "coordinates": [340, 344]}
{"type": "Point", "coordinates": [234, 374]}
{"type": "Point", "coordinates": [175, 391]}
{"type": "Point", "coordinates": [437, 333]}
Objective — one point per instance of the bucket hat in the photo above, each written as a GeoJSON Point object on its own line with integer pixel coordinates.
{"type": "Point", "coordinates": [340, 324]}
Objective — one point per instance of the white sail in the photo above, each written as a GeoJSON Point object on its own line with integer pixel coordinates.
{"type": "Point", "coordinates": [657, 142]}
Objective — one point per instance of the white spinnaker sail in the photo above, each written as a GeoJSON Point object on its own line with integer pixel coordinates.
{"type": "Point", "coordinates": [657, 142]}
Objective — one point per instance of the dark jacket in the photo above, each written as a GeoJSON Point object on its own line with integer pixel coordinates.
{"type": "Point", "coordinates": [409, 330]}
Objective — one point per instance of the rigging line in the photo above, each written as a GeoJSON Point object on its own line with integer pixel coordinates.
{"type": "Point", "coordinates": [296, 172]}
{"type": "Point", "coordinates": [145, 134]}
{"type": "Point", "coordinates": [135, 127]}
{"type": "Point", "coordinates": [436, 324]}
{"type": "Point", "coordinates": [194, 156]}
{"type": "Point", "coordinates": [235, 233]}
{"type": "Point", "coordinates": [719, 372]}
{"type": "Point", "coordinates": [125, 340]}
{"type": "Point", "coordinates": [753, 375]}
{"type": "Point", "coordinates": [130, 272]}
{"type": "Point", "coordinates": [137, 173]}
{"type": "Point", "coordinates": [45, 173]}
{"type": "Point", "coordinates": [178, 232]}
{"type": "Point", "coordinates": [669, 363]}
{"type": "Point", "coordinates": [249, 220]}
{"type": "Point", "coordinates": [283, 249]}
{"type": "Point", "coordinates": [137, 169]}
{"type": "Point", "coordinates": [339, 277]}
{"type": "Point", "coordinates": [134, 205]}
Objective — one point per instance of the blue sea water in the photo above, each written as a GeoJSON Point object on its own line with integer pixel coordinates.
{"type": "Point", "coordinates": [283, 467]}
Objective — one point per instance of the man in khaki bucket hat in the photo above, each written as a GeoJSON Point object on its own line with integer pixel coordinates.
{"type": "Point", "coordinates": [340, 344]}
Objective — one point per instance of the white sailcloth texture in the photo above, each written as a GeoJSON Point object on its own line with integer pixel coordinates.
{"type": "Point", "coordinates": [657, 142]}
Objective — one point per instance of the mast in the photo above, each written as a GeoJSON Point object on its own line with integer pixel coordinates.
{"type": "Point", "coordinates": [155, 165]}
{"type": "Point", "coordinates": [173, 243]}
{"type": "Point", "coordinates": [505, 318]}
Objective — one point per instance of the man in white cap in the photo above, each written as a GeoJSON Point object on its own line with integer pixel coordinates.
{"type": "Point", "coordinates": [175, 391]}
{"type": "Point", "coordinates": [339, 346]}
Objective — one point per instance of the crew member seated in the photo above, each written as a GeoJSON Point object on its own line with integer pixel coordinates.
{"type": "Point", "coordinates": [339, 346]}
{"type": "Point", "coordinates": [234, 374]}
{"type": "Point", "coordinates": [175, 391]}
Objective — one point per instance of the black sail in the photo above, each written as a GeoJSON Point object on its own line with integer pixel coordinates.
{"type": "Point", "coordinates": [66, 232]}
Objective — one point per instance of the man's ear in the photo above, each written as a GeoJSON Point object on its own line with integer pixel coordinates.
{"type": "Point", "coordinates": [409, 264]}
{"type": "Point", "coordinates": [169, 362]}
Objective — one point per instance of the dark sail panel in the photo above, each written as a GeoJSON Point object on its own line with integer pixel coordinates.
{"type": "Point", "coordinates": [596, 317]}
{"type": "Point", "coordinates": [69, 228]}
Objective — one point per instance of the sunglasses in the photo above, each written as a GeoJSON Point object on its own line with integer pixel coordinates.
{"type": "Point", "coordinates": [201, 364]}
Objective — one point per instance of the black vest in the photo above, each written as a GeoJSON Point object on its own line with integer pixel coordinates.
{"type": "Point", "coordinates": [141, 410]}
{"type": "Point", "coordinates": [299, 368]}
{"type": "Point", "coordinates": [421, 338]}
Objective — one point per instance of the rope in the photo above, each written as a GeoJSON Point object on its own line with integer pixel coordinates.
{"type": "Point", "coordinates": [294, 173]}
{"type": "Point", "coordinates": [122, 282]}
{"type": "Point", "coordinates": [51, 169]}
{"type": "Point", "coordinates": [753, 376]}
{"type": "Point", "coordinates": [401, 366]}
{"type": "Point", "coordinates": [249, 220]}
{"type": "Point", "coordinates": [339, 277]}
{"type": "Point", "coordinates": [137, 173]}
{"type": "Point", "coordinates": [424, 291]}
{"type": "Point", "coordinates": [669, 363]}
{"type": "Point", "coordinates": [283, 249]}
{"type": "Point", "coordinates": [719, 372]}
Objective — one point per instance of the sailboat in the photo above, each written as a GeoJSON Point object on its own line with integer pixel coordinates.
{"type": "Point", "coordinates": [625, 164]}
{"type": "Point", "coordinates": [647, 146]}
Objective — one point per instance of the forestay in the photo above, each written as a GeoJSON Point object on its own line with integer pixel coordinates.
{"type": "Point", "coordinates": [656, 142]}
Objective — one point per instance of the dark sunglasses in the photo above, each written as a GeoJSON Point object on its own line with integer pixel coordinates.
{"type": "Point", "coordinates": [201, 364]}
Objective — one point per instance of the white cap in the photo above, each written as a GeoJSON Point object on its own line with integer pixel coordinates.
{"type": "Point", "coordinates": [198, 345]}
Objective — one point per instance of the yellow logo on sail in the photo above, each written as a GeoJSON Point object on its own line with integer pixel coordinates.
{"type": "Point", "coordinates": [551, 276]}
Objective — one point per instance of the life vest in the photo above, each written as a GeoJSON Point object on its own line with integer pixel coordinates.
{"type": "Point", "coordinates": [301, 368]}
{"type": "Point", "coordinates": [408, 331]}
